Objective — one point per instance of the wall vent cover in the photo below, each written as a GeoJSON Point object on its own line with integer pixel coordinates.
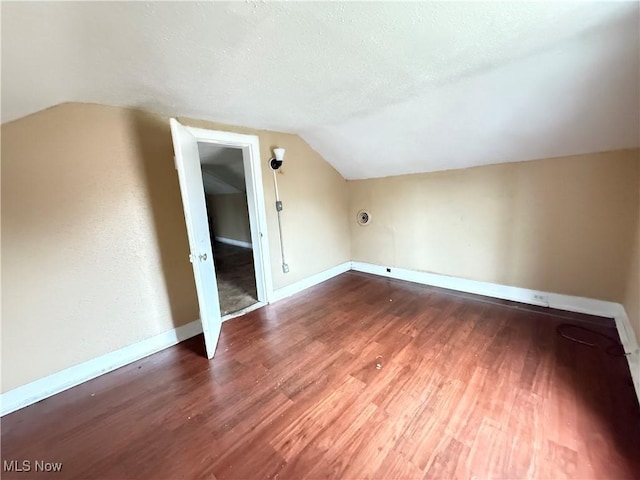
{"type": "Point", "coordinates": [363, 218]}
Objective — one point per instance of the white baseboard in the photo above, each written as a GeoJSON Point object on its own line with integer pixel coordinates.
{"type": "Point", "coordinates": [309, 281]}
{"type": "Point", "coordinates": [634, 367]}
{"type": "Point", "coordinates": [569, 303]}
{"type": "Point", "coordinates": [42, 388]}
{"type": "Point", "coordinates": [50, 385]}
{"type": "Point", "coordinates": [505, 292]}
{"type": "Point", "coordinates": [60, 381]}
{"type": "Point", "coordinates": [631, 346]}
{"type": "Point", "coordinates": [231, 241]}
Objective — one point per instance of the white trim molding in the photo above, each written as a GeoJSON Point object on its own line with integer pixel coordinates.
{"type": "Point", "coordinates": [568, 303]}
{"type": "Point", "coordinates": [516, 294]}
{"type": "Point", "coordinates": [630, 345]}
{"type": "Point", "coordinates": [231, 241]}
{"type": "Point", "coordinates": [45, 387]}
{"type": "Point", "coordinates": [42, 388]}
{"type": "Point", "coordinates": [58, 382]}
{"type": "Point", "coordinates": [311, 281]}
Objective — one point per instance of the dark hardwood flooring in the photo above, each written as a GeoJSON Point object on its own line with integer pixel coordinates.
{"type": "Point", "coordinates": [360, 377]}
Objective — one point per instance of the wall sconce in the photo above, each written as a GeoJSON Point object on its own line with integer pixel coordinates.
{"type": "Point", "coordinates": [276, 162]}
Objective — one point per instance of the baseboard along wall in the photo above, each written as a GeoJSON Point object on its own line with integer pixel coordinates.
{"type": "Point", "coordinates": [45, 387]}
{"type": "Point", "coordinates": [40, 389]}
{"type": "Point", "coordinates": [567, 303]}
{"type": "Point", "coordinates": [308, 282]}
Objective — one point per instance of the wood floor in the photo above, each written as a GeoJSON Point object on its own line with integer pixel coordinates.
{"type": "Point", "coordinates": [360, 377]}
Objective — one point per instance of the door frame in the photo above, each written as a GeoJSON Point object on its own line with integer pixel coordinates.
{"type": "Point", "coordinates": [250, 146]}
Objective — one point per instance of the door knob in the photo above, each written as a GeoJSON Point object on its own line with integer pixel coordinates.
{"type": "Point", "coordinates": [203, 257]}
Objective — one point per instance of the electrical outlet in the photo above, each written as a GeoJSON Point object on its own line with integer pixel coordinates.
{"type": "Point", "coordinates": [285, 268]}
{"type": "Point", "coordinates": [540, 298]}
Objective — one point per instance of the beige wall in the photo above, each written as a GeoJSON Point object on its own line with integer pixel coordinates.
{"type": "Point", "coordinates": [315, 200]}
{"type": "Point", "coordinates": [562, 225]}
{"type": "Point", "coordinates": [94, 247]}
{"type": "Point", "coordinates": [95, 255]}
{"type": "Point", "coordinates": [229, 216]}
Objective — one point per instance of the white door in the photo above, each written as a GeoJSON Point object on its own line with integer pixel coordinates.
{"type": "Point", "coordinates": [187, 160]}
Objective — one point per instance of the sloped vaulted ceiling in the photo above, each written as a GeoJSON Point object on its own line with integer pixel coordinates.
{"type": "Point", "coordinates": [377, 88]}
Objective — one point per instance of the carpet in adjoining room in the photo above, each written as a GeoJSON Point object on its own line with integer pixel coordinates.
{"type": "Point", "coordinates": [236, 277]}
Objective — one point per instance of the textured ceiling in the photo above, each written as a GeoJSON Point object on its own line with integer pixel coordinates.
{"type": "Point", "coordinates": [376, 88]}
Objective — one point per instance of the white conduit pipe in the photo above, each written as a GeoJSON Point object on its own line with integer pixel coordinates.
{"type": "Point", "coordinates": [285, 267]}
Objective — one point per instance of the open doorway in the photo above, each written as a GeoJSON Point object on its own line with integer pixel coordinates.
{"type": "Point", "coordinates": [225, 189]}
{"type": "Point", "coordinates": [187, 161]}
